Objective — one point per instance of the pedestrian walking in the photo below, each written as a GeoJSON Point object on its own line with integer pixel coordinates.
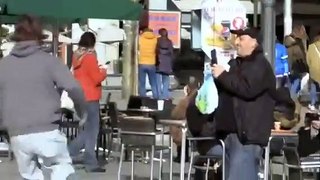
{"type": "Point", "coordinates": [88, 73]}
{"type": "Point", "coordinates": [30, 82]}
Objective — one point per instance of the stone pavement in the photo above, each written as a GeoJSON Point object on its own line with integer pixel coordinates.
{"type": "Point", "coordinates": [9, 171]}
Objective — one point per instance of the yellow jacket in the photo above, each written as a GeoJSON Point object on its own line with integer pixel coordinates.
{"type": "Point", "coordinates": [313, 60]}
{"type": "Point", "coordinates": [147, 48]}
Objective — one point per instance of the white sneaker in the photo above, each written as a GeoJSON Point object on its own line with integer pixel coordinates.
{"type": "Point", "coordinates": [311, 107]}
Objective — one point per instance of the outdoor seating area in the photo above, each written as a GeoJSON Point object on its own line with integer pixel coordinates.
{"type": "Point", "coordinates": [139, 135]}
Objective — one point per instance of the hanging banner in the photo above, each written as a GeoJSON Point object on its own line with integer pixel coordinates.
{"type": "Point", "coordinates": [218, 18]}
{"type": "Point", "coordinates": [169, 20]}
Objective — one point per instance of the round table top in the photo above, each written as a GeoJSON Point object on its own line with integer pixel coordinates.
{"type": "Point", "coordinates": [147, 110]}
{"type": "Point", "coordinates": [283, 133]}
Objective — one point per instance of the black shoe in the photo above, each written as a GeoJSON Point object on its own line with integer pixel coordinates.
{"type": "Point", "coordinates": [96, 170]}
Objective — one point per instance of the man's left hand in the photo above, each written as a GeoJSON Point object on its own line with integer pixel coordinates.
{"type": "Point", "coordinates": [217, 70]}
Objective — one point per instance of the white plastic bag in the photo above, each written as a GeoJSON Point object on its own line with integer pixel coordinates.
{"type": "Point", "coordinates": [66, 101]}
{"type": "Point", "coordinates": [207, 98]}
{"type": "Point", "coordinates": [304, 83]}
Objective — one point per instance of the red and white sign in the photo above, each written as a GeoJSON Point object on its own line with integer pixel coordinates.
{"type": "Point", "coordinates": [238, 23]}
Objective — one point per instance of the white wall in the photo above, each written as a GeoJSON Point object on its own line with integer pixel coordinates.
{"type": "Point", "coordinates": [105, 52]}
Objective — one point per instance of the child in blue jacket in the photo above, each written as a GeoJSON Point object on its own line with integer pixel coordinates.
{"type": "Point", "coordinates": [281, 60]}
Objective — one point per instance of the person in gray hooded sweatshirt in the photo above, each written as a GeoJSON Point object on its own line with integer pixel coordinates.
{"type": "Point", "coordinates": [30, 82]}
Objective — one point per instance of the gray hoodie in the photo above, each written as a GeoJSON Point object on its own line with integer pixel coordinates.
{"type": "Point", "coordinates": [29, 96]}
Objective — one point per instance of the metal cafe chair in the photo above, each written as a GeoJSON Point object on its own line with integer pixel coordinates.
{"type": "Point", "coordinates": [207, 167]}
{"type": "Point", "coordinates": [138, 133]}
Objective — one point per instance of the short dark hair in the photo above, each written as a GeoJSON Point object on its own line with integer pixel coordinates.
{"type": "Point", "coordinates": [87, 40]}
{"type": "Point", "coordinates": [28, 28]}
{"type": "Point", "coordinates": [163, 32]}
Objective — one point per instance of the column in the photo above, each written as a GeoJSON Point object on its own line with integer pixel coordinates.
{"type": "Point", "coordinates": [255, 12]}
{"type": "Point", "coordinates": [287, 15]}
{"type": "Point", "coordinates": [268, 29]}
{"type": "Point", "coordinates": [130, 59]}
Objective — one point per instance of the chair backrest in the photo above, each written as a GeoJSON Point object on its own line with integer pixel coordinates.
{"type": "Point", "coordinates": [291, 155]}
{"type": "Point", "coordinates": [135, 102]}
{"type": "Point", "coordinates": [108, 98]}
{"type": "Point", "coordinates": [276, 145]}
{"type": "Point", "coordinates": [137, 131]}
{"type": "Point", "coordinates": [167, 109]}
{"type": "Point", "coordinates": [113, 114]}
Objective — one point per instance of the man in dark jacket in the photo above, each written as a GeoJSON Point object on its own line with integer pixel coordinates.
{"type": "Point", "coordinates": [251, 83]}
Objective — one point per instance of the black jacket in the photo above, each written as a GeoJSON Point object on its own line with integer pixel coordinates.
{"type": "Point", "coordinates": [224, 114]}
{"type": "Point", "coordinates": [200, 125]}
{"type": "Point", "coordinates": [251, 82]}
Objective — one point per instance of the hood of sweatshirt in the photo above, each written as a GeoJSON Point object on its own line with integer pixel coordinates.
{"type": "Point", "coordinates": [25, 48]}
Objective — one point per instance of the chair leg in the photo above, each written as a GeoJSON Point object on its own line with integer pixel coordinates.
{"type": "Point", "coordinates": [110, 144]}
{"type": "Point", "coordinates": [207, 169]}
{"type": "Point", "coordinates": [160, 165]}
{"type": "Point", "coordinates": [271, 170]}
{"type": "Point", "coordinates": [190, 165]}
{"type": "Point", "coordinates": [171, 157]}
{"type": "Point", "coordinates": [151, 162]}
{"type": "Point", "coordinates": [132, 165]}
{"type": "Point", "coordinates": [284, 169]}
{"type": "Point", "coordinates": [223, 159]}
{"type": "Point", "coordinates": [104, 146]}
{"type": "Point", "coordinates": [97, 146]}
{"type": "Point", "coordinates": [120, 161]}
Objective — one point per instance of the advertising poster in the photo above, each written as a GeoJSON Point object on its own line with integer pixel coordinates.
{"type": "Point", "coordinates": [170, 20]}
{"type": "Point", "coordinates": [218, 18]}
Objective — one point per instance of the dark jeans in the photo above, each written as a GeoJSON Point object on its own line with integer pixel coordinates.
{"type": "Point", "coordinates": [87, 138]}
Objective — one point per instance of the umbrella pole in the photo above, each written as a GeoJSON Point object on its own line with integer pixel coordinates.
{"type": "Point", "coordinates": [55, 40]}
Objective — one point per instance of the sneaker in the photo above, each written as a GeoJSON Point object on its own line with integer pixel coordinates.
{"type": "Point", "coordinates": [311, 107]}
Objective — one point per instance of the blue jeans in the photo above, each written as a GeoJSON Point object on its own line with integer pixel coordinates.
{"type": "Point", "coordinates": [313, 93]}
{"type": "Point", "coordinates": [242, 161]}
{"type": "Point", "coordinates": [87, 138]}
{"type": "Point", "coordinates": [149, 70]}
{"type": "Point", "coordinates": [163, 83]}
{"type": "Point", "coordinates": [295, 88]}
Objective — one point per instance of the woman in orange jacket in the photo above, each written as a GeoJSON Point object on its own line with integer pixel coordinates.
{"type": "Point", "coordinates": [89, 75]}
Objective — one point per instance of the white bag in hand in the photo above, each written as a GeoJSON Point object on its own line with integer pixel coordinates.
{"type": "Point", "coordinates": [66, 101]}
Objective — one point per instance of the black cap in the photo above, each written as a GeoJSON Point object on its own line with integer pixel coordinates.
{"type": "Point", "coordinates": [252, 32]}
